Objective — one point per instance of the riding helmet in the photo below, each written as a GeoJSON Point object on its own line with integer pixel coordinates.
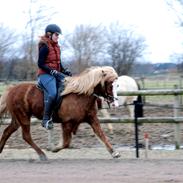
{"type": "Point", "coordinates": [53, 28]}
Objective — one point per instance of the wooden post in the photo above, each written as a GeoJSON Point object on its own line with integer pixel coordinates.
{"type": "Point", "coordinates": [146, 138]}
{"type": "Point", "coordinates": [176, 114]}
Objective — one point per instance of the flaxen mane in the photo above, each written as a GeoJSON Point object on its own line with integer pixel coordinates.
{"type": "Point", "coordinates": [88, 79]}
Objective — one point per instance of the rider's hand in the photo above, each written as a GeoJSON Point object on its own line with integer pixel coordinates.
{"type": "Point", "coordinates": [58, 75]}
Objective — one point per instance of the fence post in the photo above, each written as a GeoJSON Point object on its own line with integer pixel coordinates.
{"type": "Point", "coordinates": [176, 114]}
{"type": "Point", "coordinates": [136, 106]}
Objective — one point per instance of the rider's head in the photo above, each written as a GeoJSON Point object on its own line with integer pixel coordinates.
{"type": "Point", "coordinates": [52, 29]}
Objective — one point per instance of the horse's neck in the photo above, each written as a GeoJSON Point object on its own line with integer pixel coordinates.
{"type": "Point", "coordinates": [80, 99]}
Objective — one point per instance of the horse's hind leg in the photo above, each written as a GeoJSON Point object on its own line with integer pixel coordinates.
{"type": "Point", "coordinates": [27, 137]}
{"type": "Point", "coordinates": [12, 127]}
{"type": "Point", "coordinates": [130, 109]}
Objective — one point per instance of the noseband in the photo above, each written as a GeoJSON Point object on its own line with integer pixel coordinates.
{"type": "Point", "coordinates": [108, 98]}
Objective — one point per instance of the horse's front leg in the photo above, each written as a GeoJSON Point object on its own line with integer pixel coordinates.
{"type": "Point", "coordinates": [95, 124]}
{"type": "Point", "coordinates": [67, 136]}
{"type": "Point", "coordinates": [106, 114]}
{"type": "Point", "coordinates": [51, 145]}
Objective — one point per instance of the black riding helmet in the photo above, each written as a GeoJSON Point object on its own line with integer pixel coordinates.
{"type": "Point", "coordinates": [53, 28]}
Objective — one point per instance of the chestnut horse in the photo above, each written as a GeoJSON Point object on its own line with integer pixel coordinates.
{"type": "Point", "coordinates": [78, 105]}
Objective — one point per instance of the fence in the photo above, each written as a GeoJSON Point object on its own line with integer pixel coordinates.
{"type": "Point", "coordinates": [176, 119]}
{"type": "Point", "coordinates": [176, 108]}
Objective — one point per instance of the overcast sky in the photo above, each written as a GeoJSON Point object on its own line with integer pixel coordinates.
{"type": "Point", "coordinates": [153, 19]}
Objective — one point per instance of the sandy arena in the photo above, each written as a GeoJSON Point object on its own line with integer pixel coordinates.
{"type": "Point", "coordinates": [88, 161]}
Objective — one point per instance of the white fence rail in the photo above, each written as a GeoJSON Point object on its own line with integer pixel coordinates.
{"type": "Point", "coordinates": [152, 92]}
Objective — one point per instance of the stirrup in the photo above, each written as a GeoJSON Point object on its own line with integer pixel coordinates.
{"type": "Point", "coordinates": [48, 124]}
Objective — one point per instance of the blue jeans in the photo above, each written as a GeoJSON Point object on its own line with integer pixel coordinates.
{"type": "Point", "coordinates": [49, 85]}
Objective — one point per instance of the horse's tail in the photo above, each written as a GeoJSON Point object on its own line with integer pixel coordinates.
{"type": "Point", "coordinates": [3, 104]}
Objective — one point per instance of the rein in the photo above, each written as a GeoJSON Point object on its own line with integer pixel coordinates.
{"type": "Point", "coordinates": [106, 98]}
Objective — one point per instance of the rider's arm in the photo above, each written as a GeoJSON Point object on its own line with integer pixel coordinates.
{"type": "Point", "coordinates": [43, 52]}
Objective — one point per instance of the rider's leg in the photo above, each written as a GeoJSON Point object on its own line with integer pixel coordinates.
{"type": "Point", "coordinates": [50, 93]}
{"type": "Point", "coordinates": [48, 106]}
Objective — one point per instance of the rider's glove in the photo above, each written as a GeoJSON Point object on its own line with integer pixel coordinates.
{"type": "Point", "coordinates": [58, 75]}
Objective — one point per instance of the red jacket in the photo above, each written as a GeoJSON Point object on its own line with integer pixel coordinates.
{"type": "Point", "coordinates": [53, 57]}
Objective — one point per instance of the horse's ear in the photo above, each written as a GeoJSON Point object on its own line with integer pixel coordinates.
{"type": "Point", "coordinates": [103, 73]}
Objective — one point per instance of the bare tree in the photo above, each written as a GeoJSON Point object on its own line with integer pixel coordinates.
{"type": "Point", "coordinates": [178, 59]}
{"type": "Point", "coordinates": [8, 38]}
{"type": "Point", "coordinates": [86, 45]}
{"type": "Point", "coordinates": [176, 6]}
{"type": "Point", "coordinates": [38, 17]}
{"type": "Point", "coordinates": [124, 48]}
{"type": "Point", "coordinates": [7, 43]}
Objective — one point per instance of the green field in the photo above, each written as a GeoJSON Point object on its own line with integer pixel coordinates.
{"type": "Point", "coordinates": [167, 81]}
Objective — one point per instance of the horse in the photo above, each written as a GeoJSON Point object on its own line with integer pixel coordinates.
{"type": "Point", "coordinates": [25, 100]}
{"type": "Point", "coordinates": [122, 84]}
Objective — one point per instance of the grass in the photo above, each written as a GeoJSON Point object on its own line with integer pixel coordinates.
{"type": "Point", "coordinates": [167, 81]}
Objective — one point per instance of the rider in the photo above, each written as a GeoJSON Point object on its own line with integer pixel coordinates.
{"type": "Point", "coordinates": [51, 72]}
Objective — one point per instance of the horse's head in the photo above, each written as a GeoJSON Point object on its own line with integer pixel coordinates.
{"type": "Point", "coordinates": [106, 77]}
{"type": "Point", "coordinates": [108, 92]}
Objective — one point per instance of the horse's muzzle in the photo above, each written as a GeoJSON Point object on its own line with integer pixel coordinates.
{"type": "Point", "coordinates": [112, 100]}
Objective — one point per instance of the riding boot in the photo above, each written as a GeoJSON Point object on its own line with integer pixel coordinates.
{"type": "Point", "coordinates": [47, 116]}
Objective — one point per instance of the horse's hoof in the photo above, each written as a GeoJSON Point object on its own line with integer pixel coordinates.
{"type": "Point", "coordinates": [50, 148]}
{"type": "Point", "coordinates": [56, 149]}
{"type": "Point", "coordinates": [115, 154]}
{"type": "Point", "coordinates": [43, 157]}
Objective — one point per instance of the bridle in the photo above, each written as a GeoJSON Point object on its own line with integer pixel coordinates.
{"type": "Point", "coordinates": [110, 98]}
{"type": "Point", "coordinates": [107, 97]}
